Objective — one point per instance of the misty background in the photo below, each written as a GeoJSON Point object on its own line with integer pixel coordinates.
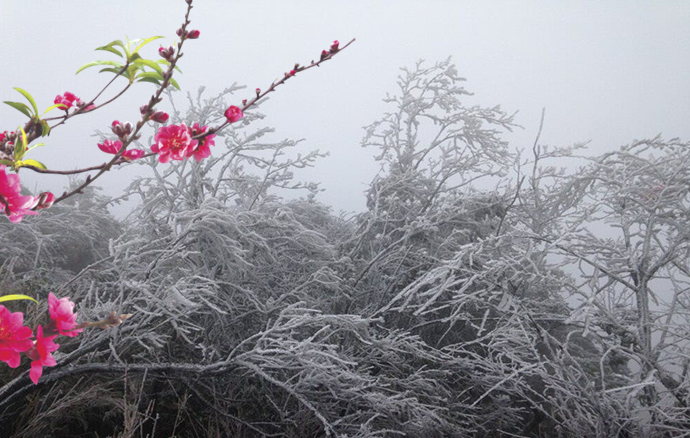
{"type": "Point", "coordinates": [555, 305]}
{"type": "Point", "coordinates": [608, 72]}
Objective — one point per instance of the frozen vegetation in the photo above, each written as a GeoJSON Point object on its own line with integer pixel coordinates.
{"type": "Point", "coordinates": [554, 305]}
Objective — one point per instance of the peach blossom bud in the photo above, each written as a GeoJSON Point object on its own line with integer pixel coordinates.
{"type": "Point", "coordinates": [160, 117]}
{"type": "Point", "coordinates": [121, 130]}
{"type": "Point", "coordinates": [117, 128]}
{"type": "Point", "coordinates": [324, 55]}
{"type": "Point", "coordinates": [193, 34]}
{"type": "Point", "coordinates": [258, 92]}
{"type": "Point", "coordinates": [45, 200]}
{"type": "Point", "coordinates": [233, 114]}
{"type": "Point", "coordinates": [81, 104]}
{"type": "Point", "coordinates": [167, 54]}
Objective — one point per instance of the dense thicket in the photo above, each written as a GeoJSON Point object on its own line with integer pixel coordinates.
{"type": "Point", "coordinates": [554, 305]}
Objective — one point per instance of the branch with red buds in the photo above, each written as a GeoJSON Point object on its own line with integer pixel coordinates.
{"type": "Point", "coordinates": [146, 111]}
{"type": "Point", "coordinates": [334, 49]}
{"type": "Point", "coordinates": [126, 132]}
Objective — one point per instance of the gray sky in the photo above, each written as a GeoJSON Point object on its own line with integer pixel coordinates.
{"type": "Point", "coordinates": [608, 72]}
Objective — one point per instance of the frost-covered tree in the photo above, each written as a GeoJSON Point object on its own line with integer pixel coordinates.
{"type": "Point", "coordinates": [620, 224]}
{"type": "Point", "coordinates": [551, 305]}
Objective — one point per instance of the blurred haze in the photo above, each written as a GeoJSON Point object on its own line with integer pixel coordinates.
{"type": "Point", "coordinates": [608, 72]}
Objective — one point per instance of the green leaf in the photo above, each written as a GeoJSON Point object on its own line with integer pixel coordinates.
{"type": "Point", "coordinates": [50, 108]}
{"type": "Point", "coordinates": [19, 152]}
{"type": "Point", "coordinates": [45, 128]}
{"type": "Point", "coordinates": [127, 75]}
{"type": "Point", "coordinates": [16, 297]}
{"type": "Point", "coordinates": [7, 163]}
{"type": "Point", "coordinates": [35, 146]}
{"type": "Point", "coordinates": [20, 149]}
{"type": "Point", "coordinates": [164, 62]}
{"type": "Point", "coordinates": [29, 98]}
{"type": "Point", "coordinates": [145, 62]}
{"type": "Point", "coordinates": [95, 63]}
{"type": "Point", "coordinates": [151, 74]}
{"type": "Point", "coordinates": [174, 83]}
{"type": "Point", "coordinates": [34, 163]}
{"type": "Point", "coordinates": [118, 43]}
{"type": "Point", "coordinates": [111, 50]}
{"type": "Point", "coordinates": [111, 70]}
{"type": "Point", "coordinates": [153, 81]}
{"type": "Point", "coordinates": [134, 56]}
{"type": "Point", "coordinates": [21, 108]}
{"type": "Point", "coordinates": [145, 42]}
{"type": "Point", "coordinates": [131, 71]}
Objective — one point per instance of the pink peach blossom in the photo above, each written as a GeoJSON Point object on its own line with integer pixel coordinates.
{"type": "Point", "coordinates": [66, 100]}
{"type": "Point", "coordinates": [40, 354]}
{"type": "Point", "coordinates": [14, 337]}
{"type": "Point", "coordinates": [11, 201]}
{"type": "Point", "coordinates": [62, 316]}
{"type": "Point", "coordinates": [173, 143]}
{"type": "Point", "coordinates": [202, 150]}
{"type": "Point", "coordinates": [111, 147]}
{"type": "Point", "coordinates": [134, 154]}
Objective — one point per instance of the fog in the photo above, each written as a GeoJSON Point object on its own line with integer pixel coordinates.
{"type": "Point", "coordinates": [608, 72]}
{"type": "Point", "coordinates": [556, 305]}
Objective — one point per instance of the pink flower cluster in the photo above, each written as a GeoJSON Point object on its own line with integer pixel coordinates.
{"type": "Point", "coordinates": [175, 142]}
{"type": "Point", "coordinates": [15, 338]}
{"type": "Point", "coordinates": [67, 100]}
